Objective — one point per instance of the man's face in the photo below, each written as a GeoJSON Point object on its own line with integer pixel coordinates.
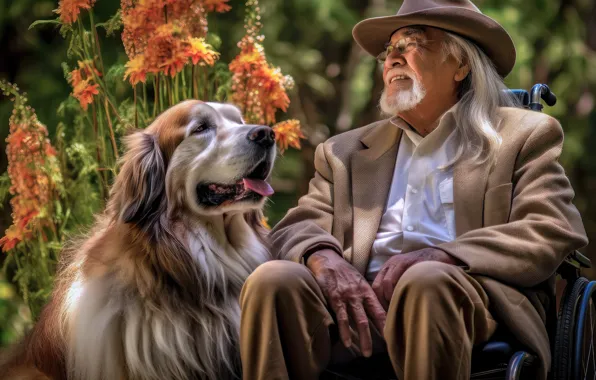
{"type": "Point", "coordinates": [416, 70]}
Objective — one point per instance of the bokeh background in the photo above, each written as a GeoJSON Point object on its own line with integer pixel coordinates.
{"type": "Point", "coordinates": [337, 84]}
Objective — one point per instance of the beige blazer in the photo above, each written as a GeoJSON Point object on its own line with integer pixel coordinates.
{"type": "Point", "coordinates": [514, 223]}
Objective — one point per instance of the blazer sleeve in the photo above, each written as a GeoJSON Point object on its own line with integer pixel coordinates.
{"type": "Point", "coordinates": [544, 225]}
{"type": "Point", "coordinates": [308, 226]}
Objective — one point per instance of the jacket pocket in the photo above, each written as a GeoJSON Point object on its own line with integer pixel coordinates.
{"type": "Point", "coordinates": [497, 204]}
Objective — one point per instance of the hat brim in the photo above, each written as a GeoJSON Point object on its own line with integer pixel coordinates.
{"type": "Point", "coordinates": [372, 34]}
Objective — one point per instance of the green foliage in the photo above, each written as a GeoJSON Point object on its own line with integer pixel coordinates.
{"type": "Point", "coordinates": [113, 25]}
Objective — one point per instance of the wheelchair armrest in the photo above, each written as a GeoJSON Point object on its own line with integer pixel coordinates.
{"type": "Point", "coordinates": [580, 259]}
{"type": "Point", "coordinates": [573, 263]}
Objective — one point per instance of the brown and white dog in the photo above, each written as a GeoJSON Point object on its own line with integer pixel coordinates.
{"type": "Point", "coordinates": [152, 291]}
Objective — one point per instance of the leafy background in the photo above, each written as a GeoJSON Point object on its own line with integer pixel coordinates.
{"type": "Point", "coordinates": [337, 85]}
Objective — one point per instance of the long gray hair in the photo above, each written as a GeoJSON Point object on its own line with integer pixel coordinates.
{"type": "Point", "coordinates": [481, 93]}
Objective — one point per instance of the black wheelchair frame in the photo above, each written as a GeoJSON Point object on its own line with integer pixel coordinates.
{"type": "Point", "coordinates": [501, 358]}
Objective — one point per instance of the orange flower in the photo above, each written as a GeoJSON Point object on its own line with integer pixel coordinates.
{"type": "Point", "coordinates": [33, 171]}
{"type": "Point", "coordinates": [84, 92]}
{"type": "Point", "coordinates": [12, 236]}
{"type": "Point", "coordinates": [84, 72]}
{"type": "Point", "coordinates": [141, 19]}
{"type": "Point", "coordinates": [81, 80]}
{"type": "Point", "coordinates": [69, 9]}
{"type": "Point", "coordinates": [220, 6]}
{"type": "Point", "coordinates": [288, 133]}
{"type": "Point", "coordinates": [199, 50]}
{"type": "Point", "coordinates": [258, 89]}
{"type": "Point", "coordinates": [165, 50]}
{"type": "Point", "coordinates": [135, 69]}
{"type": "Point", "coordinates": [168, 33]}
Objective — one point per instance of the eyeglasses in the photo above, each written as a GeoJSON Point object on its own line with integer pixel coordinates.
{"type": "Point", "coordinates": [402, 46]}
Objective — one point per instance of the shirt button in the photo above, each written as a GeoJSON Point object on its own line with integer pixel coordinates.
{"type": "Point", "coordinates": [410, 228]}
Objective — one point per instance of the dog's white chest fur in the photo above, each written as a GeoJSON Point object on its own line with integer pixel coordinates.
{"type": "Point", "coordinates": [114, 333]}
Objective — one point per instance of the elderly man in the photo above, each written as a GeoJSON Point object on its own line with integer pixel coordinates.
{"type": "Point", "coordinates": [420, 233]}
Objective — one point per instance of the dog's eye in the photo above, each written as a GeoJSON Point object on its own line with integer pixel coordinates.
{"type": "Point", "coordinates": [202, 127]}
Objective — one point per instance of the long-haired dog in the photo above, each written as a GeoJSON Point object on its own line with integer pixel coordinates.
{"type": "Point", "coordinates": [152, 291]}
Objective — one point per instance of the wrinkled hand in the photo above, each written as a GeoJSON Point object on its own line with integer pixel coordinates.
{"type": "Point", "coordinates": [395, 267]}
{"type": "Point", "coordinates": [348, 293]}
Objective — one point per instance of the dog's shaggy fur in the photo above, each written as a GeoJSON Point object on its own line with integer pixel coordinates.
{"type": "Point", "coordinates": [152, 291]}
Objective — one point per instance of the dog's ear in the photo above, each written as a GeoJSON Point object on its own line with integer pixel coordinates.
{"type": "Point", "coordinates": [139, 191]}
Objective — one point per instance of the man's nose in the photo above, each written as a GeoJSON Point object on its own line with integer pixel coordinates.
{"type": "Point", "coordinates": [263, 136]}
{"type": "Point", "coordinates": [394, 59]}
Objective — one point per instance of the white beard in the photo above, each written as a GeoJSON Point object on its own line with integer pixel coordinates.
{"type": "Point", "coordinates": [403, 100]}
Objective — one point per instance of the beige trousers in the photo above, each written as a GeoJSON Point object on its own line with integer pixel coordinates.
{"type": "Point", "coordinates": [436, 315]}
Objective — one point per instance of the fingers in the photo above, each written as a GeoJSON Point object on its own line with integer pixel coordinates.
{"type": "Point", "coordinates": [343, 322]}
{"type": "Point", "coordinates": [389, 283]}
{"type": "Point", "coordinates": [377, 288]}
{"type": "Point", "coordinates": [375, 312]}
{"type": "Point", "coordinates": [361, 321]}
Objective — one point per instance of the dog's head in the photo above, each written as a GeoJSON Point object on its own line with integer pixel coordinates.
{"type": "Point", "coordinates": [198, 158]}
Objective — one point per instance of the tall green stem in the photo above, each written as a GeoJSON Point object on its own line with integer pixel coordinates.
{"type": "Point", "coordinates": [98, 49]}
{"type": "Point", "coordinates": [176, 93]}
{"type": "Point", "coordinates": [112, 136]}
{"type": "Point", "coordinates": [145, 98]}
{"type": "Point", "coordinates": [195, 90]}
{"type": "Point", "coordinates": [134, 91]}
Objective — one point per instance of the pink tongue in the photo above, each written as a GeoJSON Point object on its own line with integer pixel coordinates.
{"type": "Point", "coordinates": [258, 186]}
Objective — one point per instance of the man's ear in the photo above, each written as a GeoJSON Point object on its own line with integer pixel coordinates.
{"type": "Point", "coordinates": [462, 72]}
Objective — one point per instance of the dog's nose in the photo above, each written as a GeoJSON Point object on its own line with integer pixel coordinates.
{"type": "Point", "coordinates": [264, 136]}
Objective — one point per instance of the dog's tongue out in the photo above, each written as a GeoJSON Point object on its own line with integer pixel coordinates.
{"type": "Point", "coordinates": [258, 186]}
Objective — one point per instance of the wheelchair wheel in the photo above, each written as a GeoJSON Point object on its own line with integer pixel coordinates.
{"type": "Point", "coordinates": [563, 355]}
{"type": "Point", "coordinates": [574, 357]}
{"type": "Point", "coordinates": [584, 365]}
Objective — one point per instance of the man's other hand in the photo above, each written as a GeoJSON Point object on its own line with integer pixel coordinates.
{"type": "Point", "coordinates": [394, 268]}
{"type": "Point", "coordinates": [348, 293]}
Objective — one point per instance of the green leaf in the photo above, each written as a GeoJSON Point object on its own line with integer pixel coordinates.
{"type": "Point", "coordinates": [113, 24]}
{"type": "Point", "coordinates": [66, 70]}
{"type": "Point", "coordinates": [45, 22]}
{"type": "Point", "coordinates": [115, 74]}
{"type": "Point", "coordinates": [75, 46]}
{"type": "Point", "coordinates": [214, 40]}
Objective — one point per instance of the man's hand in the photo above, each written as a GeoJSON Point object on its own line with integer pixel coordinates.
{"type": "Point", "coordinates": [395, 267]}
{"type": "Point", "coordinates": [348, 293]}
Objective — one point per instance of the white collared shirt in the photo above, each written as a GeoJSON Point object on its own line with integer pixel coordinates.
{"type": "Point", "coordinates": [419, 211]}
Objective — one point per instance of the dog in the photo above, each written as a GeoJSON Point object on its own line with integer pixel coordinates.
{"type": "Point", "coordinates": [151, 292]}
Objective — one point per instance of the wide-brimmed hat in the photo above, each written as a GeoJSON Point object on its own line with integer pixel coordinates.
{"type": "Point", "coordinates": [461, 17]}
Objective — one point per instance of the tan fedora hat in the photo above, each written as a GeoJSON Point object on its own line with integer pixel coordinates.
{"type": "Point", "coordinates": [461, 17]}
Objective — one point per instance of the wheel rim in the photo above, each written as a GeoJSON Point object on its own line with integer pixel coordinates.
{"type": "Point", "coordinates": [585, 336]}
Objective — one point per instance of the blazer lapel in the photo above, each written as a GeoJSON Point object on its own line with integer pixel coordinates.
{"type": "Point", "coordinates": [372, 174]}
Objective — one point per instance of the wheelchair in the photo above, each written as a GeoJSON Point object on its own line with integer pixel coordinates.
{"type": "Point", "coordinates": [571, 328]}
